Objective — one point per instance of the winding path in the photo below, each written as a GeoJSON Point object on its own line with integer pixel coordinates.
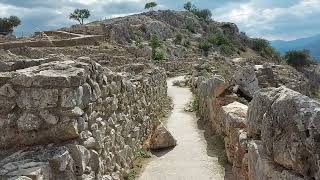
{"type": "Point", "coordinates": [189, 160]}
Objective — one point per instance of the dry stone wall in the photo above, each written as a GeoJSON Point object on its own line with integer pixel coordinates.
{"type": "Point", "coordinates": [275, 137]}
{"type": "Point", "coordinates": [76, 119]}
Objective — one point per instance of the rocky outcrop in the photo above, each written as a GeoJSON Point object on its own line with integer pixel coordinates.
{"type": "Point", "coordinates": [76, 119]}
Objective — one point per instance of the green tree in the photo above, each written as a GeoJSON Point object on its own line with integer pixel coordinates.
{"type": "Point", "coordinates": [150, 5]}
{"type": "Point", "coordinates": [80, 15]}
{"type": "Point", "coordinates": [188, 6]}
{"type": "Point", "coordinates": [155, 43]}
{"type": "Point", "coordinates": [7, 24]}
{"type": "Point", "coordinates": [298, 58]}
{"type": "Point", "coordinates": [178, 39]}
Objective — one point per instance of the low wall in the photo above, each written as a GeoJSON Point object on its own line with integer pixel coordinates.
{"type": "Point", "coordinates": [76, 119]}
{"type": "Point", "coordinates": [91, 40]}
{"type": "Point", "coordinates": [275, 137]}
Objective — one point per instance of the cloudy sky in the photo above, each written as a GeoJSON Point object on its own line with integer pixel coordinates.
{"type": "Point", "coordinates": [270, 19]}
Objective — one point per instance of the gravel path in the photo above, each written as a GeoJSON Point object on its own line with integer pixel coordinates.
{"type": "Point", "coordinates": [189, 160]}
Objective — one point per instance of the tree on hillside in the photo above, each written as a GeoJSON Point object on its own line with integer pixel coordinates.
{"type": "Point", "coordinates": [188, 6]}
{"type": "Point", "coordinates": [80, 15]}
{"type": "Point", "coordinates": [298, 58]}
{"type": "Point", "coordinates": [150, 5]}
{"type": "Point", "coordinates": [7, 24]}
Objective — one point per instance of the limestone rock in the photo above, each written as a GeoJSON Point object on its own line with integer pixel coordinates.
{"type": "Point", "coordinates": [247, 81]}
{"type": "Point", "coordinates": [288, 122]}
{"type": "Point", "coordinates": [261, 166]}
{"type": "Point", "coordinates": [162, 138]}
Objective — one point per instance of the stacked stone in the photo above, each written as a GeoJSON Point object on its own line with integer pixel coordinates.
{"type": "Point", "coordinates": [276, 137]}
{"type": "Point", "coordinates": [75, 119]}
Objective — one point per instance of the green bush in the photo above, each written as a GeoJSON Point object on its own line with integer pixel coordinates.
{"type": "Point", "coordinates": [194, 103]}
{"type": "Point", "coordinates": [227, 49]}
{"type": "Point", "coordinates": [205, 46]}
{"type": "Point", "coordinates": [298, 58]}
{"type": "Point", "coordinates": [155, 43]}
{"type": "Point", "coordinates": [265, 49]}
{"type": "Point", "coordinates": [204, 14]}
{"type": "Point", "coordinates": [158, 56]}
{"type": "Point", "coordinates": [222, 41]}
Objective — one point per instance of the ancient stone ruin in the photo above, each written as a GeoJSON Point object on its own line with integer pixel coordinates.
{"type": "Point", "coordinates": [275, 137]}
{"type": "Point", "coordinates": [75, 119]}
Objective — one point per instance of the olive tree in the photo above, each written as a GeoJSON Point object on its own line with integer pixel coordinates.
{"type": "Point", "coordinates": [80, 15]}
{"type": "Point", "coordinates": [150, 5]}
{"type": "Point", "coordinates": [7, 24]}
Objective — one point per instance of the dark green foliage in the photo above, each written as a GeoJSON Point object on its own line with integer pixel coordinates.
{"type": "Point", "coordinates": [7, 24]}
{"type": "Point", "coordinates": [150, 5]}
{"type": "Point", "coordinates": [188, 6]}
{"type": "Point", "coordinates": [298, 58]}
{"type": "Point", "coordinates": [227, 49]}
{"type": "Point", "coordinates": [80, 15]}
{"type": "Point", "coordinates": [155, 43]}
{"type": "Point", "coordinates": [204, 14]}
{"type": "Point", "coordinates": [223, 42]}
{"type": "Point", "coordinates": [205, 46]}
{"type": "Point", "coordinates": [265, 49]}
{"type": "Point", "coordinates": [178, 39]}
{"type": "Point", "coordinates": [158, 56]}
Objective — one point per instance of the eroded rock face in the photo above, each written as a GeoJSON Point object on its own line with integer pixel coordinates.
{"type": "Point", "coordinates": [162, 138]}
{"type": "Point", "coordinates": [78, 119]}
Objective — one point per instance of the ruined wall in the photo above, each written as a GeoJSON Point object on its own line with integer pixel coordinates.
{"type": "Point", "coordinates": [76, 119]}
{"type": "Point", "coordinates": [275, 137]}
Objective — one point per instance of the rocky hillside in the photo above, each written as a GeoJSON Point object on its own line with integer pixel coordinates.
{"type": "Point", "coordinates": [88, 97]}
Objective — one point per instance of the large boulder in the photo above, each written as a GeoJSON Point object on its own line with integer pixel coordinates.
{"type": "Point", "coordinates": [247, 81]}
{"type": "Point", "coordinates": [290, 129]}
{"type": "Point", "coordinates": [162, 138]}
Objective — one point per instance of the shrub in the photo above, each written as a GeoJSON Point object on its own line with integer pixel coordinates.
{"type": "Point", "coordinates": [297, 58]}
{"type": "Point", "coordinates": [158, 56]}
{"type": "Point", "coordinates": [223, 42]}
{"type": "Point", "coordinates": [205, 46]}
{"type": "Point", "coordinates": [155, 43]}
{"type": "Point", "coordinates": [204, 14]}
{"type": "Point", "coordinates": [265, 49]}
{"type": "Point", "coordinates": [178, 39]}
{"type": "Point", "coordinates": [227, 49]}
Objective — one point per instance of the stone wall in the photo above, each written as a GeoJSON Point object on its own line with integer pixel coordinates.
{"type": "Point", "coordinates": [75, 119]}
{"type": "Point", "coordinates": [275, 137]}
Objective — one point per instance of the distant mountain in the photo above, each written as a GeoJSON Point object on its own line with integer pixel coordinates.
{"type": "Point", "coordinates": [311, 43]}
